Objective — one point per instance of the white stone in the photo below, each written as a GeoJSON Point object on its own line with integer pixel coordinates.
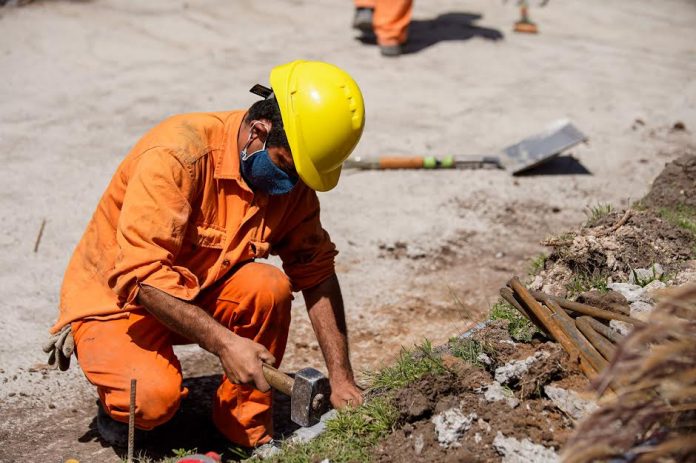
{"type": "Point", "coordinates": [450, 425]}
{"type": "Point", "coordinates": [494, 392]}
{"type": "Point", "coordinates": [641, 310]}
{"type": "Point", "coordinates": [307, 434]}
{"type": "Point", "coordinates": [483, 358]}
{"type": "Point", "coordinates": [631, 292]}
{"type": "Point", "coordinates": [537, 284]}
{"type": "Point", "coordinates": [620, 327]}
{"type": "Point", "coordinates": [654, 285]}
{"type": "Point", "coordinates": [418, 444]}
{"type": "Point", "coordinates": [524, 451]}
{"type": "Point", "coordinates": [516, 368]}
{"type": "Point", "coordinates": [570, 402]}
{"type": "Point", "coordinates": [642, 276]}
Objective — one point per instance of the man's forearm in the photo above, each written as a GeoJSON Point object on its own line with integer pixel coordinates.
{"type": "Point", "coordinates": [185, 319]}
{"type": "Point", "coordinates": [325, 307]}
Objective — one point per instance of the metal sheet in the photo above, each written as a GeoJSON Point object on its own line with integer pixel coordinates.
{"type": "Point", "coordinates": [541, 147]}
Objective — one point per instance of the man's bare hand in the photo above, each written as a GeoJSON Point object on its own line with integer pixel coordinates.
{"type": "Point", "coordinates": [345, 394]}
{"type": "Point", "coordinates": [242, 359]}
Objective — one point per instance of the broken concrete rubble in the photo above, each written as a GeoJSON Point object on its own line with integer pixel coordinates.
{"type": "Point", "coordinates": [523, 451]}
{"type": "Point", "coordinates": [516, 368]}
{"type": "Point", "coordinates": [451, 424]}
{"type": "Point", "coordinates": [494, 392]}
{"type": "Point", "coordinates": [570, 402]}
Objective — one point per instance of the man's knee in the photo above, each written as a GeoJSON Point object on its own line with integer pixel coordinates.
{"type": "Point", "coordinates": [157, 400]}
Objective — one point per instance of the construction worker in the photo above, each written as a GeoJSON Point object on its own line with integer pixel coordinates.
{"type": "Point", "coordinates": [389, 19]}
{"type": "Point", "coordinates": [169, 256]}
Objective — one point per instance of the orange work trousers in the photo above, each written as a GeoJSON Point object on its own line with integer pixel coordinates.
{"type": "Point", "coordinates": [391, 19]}
{"type": "Point", "coordinates": [254, 302]}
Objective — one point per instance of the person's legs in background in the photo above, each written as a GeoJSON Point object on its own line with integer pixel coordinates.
{"type": "Point", "coordinates": [391, 20]}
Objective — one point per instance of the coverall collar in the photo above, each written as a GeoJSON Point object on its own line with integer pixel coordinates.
{"type": "Point", "coordinates": [227, 159]}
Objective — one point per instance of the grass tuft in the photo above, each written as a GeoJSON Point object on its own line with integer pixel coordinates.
{"type": "Point", "coordinates": [410, 366]}
{"type": "Point", "coordinates": [681, 216]}
{"type": "Point", "coordinates": [349, 437]}
{"type": "Point", "coordinates": [582, 282]}
{"type": "Point", "coordinates": [596, 213]}
{"type": "Point", "coordinates": [537, 264]}
{"type": "Point", "coordinates": [519, 327]}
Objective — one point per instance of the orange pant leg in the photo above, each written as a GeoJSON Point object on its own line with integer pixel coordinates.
{"type": "Point", "coordinates": [364, 3]}
{"type": "Point", "coordinates": [254, 302]}
{"type": "Point", "coordinates": [391, 20]}
{"type": "Point", "coordinates": [111, 352]}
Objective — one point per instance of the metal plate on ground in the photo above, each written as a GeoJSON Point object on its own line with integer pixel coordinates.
{"type": "Point", "coordinates": [541, 147]}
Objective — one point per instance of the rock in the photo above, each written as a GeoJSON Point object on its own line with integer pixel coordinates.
{"type": "Point", "coordinates": [641, 310]}
{"type": "Point", "coordinates": [570, 402]}
{"type": "Point", "coordinates": [651, 288]}
{"type": "Point", "coordinates": [631, 292]}
{"type": "Point", "coordinates": [418, 444]}
{"type": "Point", "coordinates": [494, 392]}
{"type": "Point", "coordinates": [516, 368]}
{"type": "Point", "coordinates": [484, 358]}
{"type": "Point", "coordinates": [643, 276]}
{"type": "Point", "coordinates": [537, 284]}
{"type": "Point", "coordinates": [450, 425]}
{"type": "Point", "coordinates": [620, 327]}
{"type": "Point", "coordinates": [524, 451]}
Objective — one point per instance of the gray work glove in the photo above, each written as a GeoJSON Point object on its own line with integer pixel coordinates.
{"type": "Point", "coordinates": [60, 347]}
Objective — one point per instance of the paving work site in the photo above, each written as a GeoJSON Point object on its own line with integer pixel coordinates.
{"type": "Point", "coordinates": [458, 360]}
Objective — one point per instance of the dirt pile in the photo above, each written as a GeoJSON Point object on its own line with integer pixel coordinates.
{"type": "Point", "coordinates": [659, 229]}
{"type": "Point", "coordinates": [467, 413]}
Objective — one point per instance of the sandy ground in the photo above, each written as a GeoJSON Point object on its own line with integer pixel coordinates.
{"type": "Point", "coordinates": [82, 80]}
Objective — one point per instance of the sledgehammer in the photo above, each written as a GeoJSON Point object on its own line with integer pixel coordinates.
{"type": "Point", "coordinates": [309, 393]}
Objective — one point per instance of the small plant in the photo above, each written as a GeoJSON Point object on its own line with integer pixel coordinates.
{"type": "Point", "coordinates": [519, 327]}
{"type": "Point", "coordinates": [597, 212]}
{"type": "Point", "coordinates": [469, 350]}
{"type": "Point", "coordinates": [537, 264]}
{"type": "Point", "coordinates": [410, 366]}
{"type": "Point", "coordinates": [582, 282]}
{"type": "Point", "coordinates": [681, 216]}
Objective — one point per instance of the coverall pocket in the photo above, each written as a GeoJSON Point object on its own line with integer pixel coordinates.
{"type": "Point", "coordinates": [207, 236]}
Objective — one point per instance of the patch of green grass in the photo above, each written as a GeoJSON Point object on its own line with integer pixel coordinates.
{"type": "Point", "coordinates": [519, 327]}
{"type": "Point", "coordinates": [469, 350]}
{"type": "Point", "coordinates": [537, 264]}
{"type": "Point", "coordinates": [410, 366]}
{"type": "Point", "coordinates": [597, 212]}
{"type": "Point", "coordinates": [582, 282]}
{"type": "Point", "coordinates": [681, 216]}
{"type": "Point", "coordinates": [349, 437]}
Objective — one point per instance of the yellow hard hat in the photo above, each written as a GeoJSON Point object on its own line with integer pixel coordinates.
{"type": "Point", "coordinates": [323, 114]}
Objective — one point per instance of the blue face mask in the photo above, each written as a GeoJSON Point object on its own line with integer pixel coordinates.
{"type": "Point", "coordinates": [262, 175]}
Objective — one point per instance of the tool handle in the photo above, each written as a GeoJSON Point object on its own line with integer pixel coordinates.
{"type": "Point", "coordinates": [278, 380]}
{"type": "Point", "coordinates": [400, 162]}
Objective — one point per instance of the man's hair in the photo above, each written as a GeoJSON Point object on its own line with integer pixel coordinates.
{"type": "Point", "coordinates": [268, 109]}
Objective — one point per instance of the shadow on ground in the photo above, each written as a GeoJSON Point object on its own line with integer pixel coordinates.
{"type": "Point", "coordinates": [424, 33]}
{"type": "Point", "coordinates": [192, 426]}
{"type": "Point", "coordinates": [560, 165]}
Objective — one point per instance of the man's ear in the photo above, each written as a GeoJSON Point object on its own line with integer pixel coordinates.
{"type": "Point", "coordinates": [261, 128]}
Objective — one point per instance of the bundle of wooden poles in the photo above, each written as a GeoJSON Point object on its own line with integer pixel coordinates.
{"type": "Point", "coordinates": [581, 329]}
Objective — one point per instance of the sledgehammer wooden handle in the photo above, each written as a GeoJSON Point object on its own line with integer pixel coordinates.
{"type": "Point", "coordinates": [278, 380]}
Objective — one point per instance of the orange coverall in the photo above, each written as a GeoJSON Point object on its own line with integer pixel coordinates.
{"type": "Point", "coordinates": [178, 216]}
{"type": "Point", "coordinates": [391, 19]}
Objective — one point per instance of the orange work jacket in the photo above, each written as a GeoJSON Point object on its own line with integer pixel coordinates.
{"type": "Point", "coordinates": [178, 216]}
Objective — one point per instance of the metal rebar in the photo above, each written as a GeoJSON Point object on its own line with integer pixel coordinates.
{"type": "Point", "coordinates": [551, 323]}
{"type": "Point", "coordinates": [587, 309]}
{"type": "Point", "coordinates": [602, 344]}
{"type": "Point", "coordinates": [131, 421]}
{"type": "Point", "coordinates": [605, 330]}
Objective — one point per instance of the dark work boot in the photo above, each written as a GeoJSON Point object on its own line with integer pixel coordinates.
{"type": "Point", "coordinates": [114, 432]}
{"type": "Point", "coordinates": [362, 20]}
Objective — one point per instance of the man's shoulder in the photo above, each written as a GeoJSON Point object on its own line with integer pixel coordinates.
{"type": "Point", "coordinates": [189, 137]}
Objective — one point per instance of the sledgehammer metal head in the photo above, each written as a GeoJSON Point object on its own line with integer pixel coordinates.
{"type": "Point", "coordinates": [309, 393]}
{"type": "Point", "coordinates": [310, 397]}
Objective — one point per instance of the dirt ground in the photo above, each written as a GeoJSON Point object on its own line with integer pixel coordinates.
{"type": "Point", "coordinates": [422, 253]}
